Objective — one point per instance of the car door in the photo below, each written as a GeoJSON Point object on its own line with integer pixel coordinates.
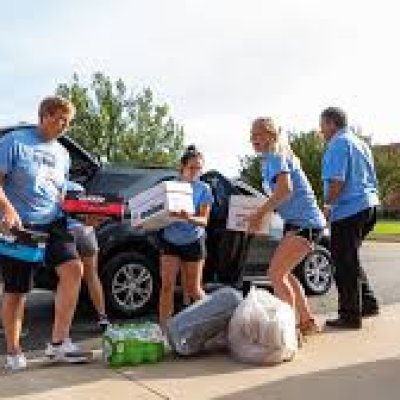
{"type": "Point", "coordinates": [260, 248]}
{"type": "Point", "coordinates": [224, 248]}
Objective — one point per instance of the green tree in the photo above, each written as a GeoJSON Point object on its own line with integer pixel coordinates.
{"type": "Point", "coordinates": [112, 122]}
{"type": "Point", "coordinates": [250, 171]}
{"type": "Point", "coordinates": [387, 162]}
{"type": "Point", "coordinates": [307, 146]}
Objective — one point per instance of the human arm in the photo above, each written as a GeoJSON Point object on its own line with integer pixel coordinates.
{"type": "Point", "coordinates": [283, 191]}
{"type": "Point", "coordinates": [200, 219]}
{"type": "Point", "coordinates": [10, 219]}
{"type": "Point", "coordinates": [334, 173]}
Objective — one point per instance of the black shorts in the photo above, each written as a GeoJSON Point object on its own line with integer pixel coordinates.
{"type": "Point", "coordinates": [191, 252]}
{"type": "Point", "coordinates": [60, 248]}
{"type": "Point", "coordinates": [313, 235]}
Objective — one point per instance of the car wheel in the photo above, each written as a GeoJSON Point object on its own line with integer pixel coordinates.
{"type": "Point", "coordinates": [316, 272]}
{"type": "Point", "coordinates": [130, 284]}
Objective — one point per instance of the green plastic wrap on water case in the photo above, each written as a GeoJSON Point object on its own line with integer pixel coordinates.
{"type": "Point", "coordinates": [133, 344]}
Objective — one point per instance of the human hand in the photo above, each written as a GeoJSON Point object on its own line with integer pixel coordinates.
{"type": "Point", "coordinates": [94, 220]}
{"type": "Point", "coordinates": [11, 219]}
{"type": "Point", "coordinates": [254, 222]}
{"type": "Point", "coordinates": [327, 211]}
{"type": "Point", "coordinates": [182, 214]}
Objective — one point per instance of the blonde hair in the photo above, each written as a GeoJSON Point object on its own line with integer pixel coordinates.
{"type": "Point", "coordinates": [280, 140]}
{"type": "Point", "coordinates": [50, 105]}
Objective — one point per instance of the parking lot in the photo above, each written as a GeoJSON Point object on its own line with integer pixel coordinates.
{"type": "Point", "coordinates": [380, 260]}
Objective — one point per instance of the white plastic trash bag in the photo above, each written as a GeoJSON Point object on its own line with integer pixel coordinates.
{"type": "Point", "coordinates": [263, 329]}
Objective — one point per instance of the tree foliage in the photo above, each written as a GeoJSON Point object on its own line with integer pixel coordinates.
{"type": "Point", "coordinates": [387, 161]}
{"type": "Point", "coordinates": [124, 127]}
{"type": "Point", "coordinates": [309, 147]}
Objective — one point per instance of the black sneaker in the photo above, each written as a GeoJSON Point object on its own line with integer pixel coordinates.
{"type": "Point", "coordinates": [370, 312]}
{"type": "Point", "coordinates": [103, 322]}
{"type": "Point", "coordinates": [344, 323]}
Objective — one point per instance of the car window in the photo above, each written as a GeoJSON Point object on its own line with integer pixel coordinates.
{"type": "Point", "coordinates": [83, 166]}
{"type": "Point", "coordinates": [119, 183]}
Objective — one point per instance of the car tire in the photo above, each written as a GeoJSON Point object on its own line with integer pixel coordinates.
{"type": "Point", "coordinates": [316, 272]}
{"type": "Point", "coordinates": [131, 285]}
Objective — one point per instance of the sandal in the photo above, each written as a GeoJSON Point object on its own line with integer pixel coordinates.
{"type": "Point", "coordinates": [309, 327]}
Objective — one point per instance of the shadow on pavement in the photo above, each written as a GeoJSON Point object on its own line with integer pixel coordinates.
{"type": "Point", "coordinates": [46, 380]}
{"type": "Point", "coordinates": [369, 381]}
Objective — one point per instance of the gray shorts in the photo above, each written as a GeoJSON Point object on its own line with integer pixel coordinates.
{"type": "Point", "coordinates": [86, 241]}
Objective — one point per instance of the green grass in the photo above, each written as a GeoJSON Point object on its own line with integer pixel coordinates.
{"type": "Point", "coordinates": [389, 228]}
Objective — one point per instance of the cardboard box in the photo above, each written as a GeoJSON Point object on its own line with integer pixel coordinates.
{"type": "Point", "coordinates": [151, 209]}
{"type": "Point", "coordinates": [241, 207]}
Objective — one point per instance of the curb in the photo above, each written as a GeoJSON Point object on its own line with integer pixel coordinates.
{"type": "Point", "coordinates": [384, 239]}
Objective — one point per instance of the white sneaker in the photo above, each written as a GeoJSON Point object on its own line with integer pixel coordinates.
{"type": "Point", "coordinates": [16, 362]}
{"type": "Point", "coordinates": [67, 352]}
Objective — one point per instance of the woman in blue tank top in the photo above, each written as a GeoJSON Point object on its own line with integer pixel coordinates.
{"type": "Point", "coordinates": [291, 195]}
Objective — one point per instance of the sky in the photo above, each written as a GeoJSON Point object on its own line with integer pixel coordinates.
{"type": "Point", "coordinates": [217, 63]}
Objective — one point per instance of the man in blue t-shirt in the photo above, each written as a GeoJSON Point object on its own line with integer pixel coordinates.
{"type": "Point", "coordinates": [351, 198]}
{"type": "Point", "coordinates": [33, 171]}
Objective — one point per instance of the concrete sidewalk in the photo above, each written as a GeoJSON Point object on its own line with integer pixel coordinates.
{"type": "Point", "coordinates": [335, 365]}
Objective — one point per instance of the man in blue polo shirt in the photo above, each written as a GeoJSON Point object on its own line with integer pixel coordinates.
{"type": "Point", "coordinates": [351, 198]}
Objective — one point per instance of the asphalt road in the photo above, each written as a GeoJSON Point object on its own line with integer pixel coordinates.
{"type": "Point", "coordinates": [381, 261]}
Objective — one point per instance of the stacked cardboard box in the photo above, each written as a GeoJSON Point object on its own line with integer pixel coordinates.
{"type": "Point", "coordinates": [151, 209]}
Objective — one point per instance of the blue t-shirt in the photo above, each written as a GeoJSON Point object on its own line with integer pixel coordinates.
{"type": "Point", "coordinates": [182, 233]}
{"type": "Point", "coordinates": [35, 174]}
{"type": "Point", "coordinates": [348, 159]}
{"type": "Point", "coordinates": [301, 207]}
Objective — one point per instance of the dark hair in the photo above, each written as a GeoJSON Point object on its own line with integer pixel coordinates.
{"type": "Point", "coordinates": [190, 152]}
{"type": "Point", "coordinates": [335, 115]}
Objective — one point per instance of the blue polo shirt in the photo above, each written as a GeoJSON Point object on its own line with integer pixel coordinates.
{"type": "Point", "coordinates": [35, 174]}
{"type": "Point", "coordinates": [301, 207]}
{"type": "Point", "coordinates": [349, 159]}
{"type": "Point", "coordinates": [183, 233]}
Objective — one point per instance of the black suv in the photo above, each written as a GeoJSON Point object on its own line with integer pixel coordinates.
{"type": "Point", "coordinates": [129, 258]}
